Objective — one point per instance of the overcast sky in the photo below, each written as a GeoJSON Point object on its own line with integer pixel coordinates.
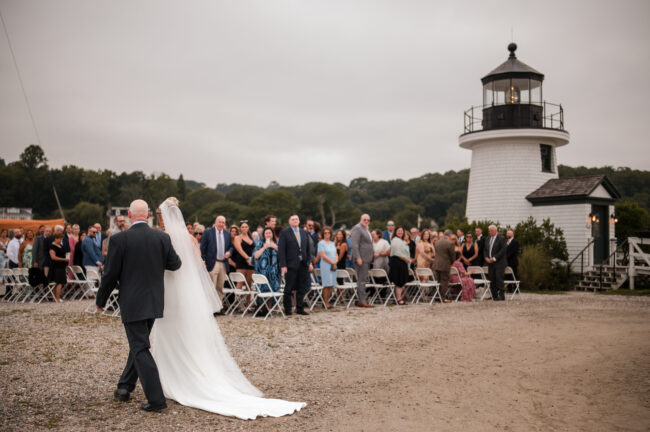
{"type": "Point", "coordinates": [298, 91]}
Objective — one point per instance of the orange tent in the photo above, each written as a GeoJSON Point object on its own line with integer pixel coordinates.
{"type": "Point", "coordinates": [32, 224]}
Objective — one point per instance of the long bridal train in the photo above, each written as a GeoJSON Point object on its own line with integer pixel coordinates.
{"type": "Point", "coordinates": [193, 361]}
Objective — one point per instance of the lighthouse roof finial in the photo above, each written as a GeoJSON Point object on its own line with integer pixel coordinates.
{"type": "Point", "coordinates": [512, 68]}
{"type": "Point", "coordinates": [512, 47]}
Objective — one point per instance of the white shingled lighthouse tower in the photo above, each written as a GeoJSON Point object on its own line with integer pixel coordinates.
{"type": "Point", "coordinates": [513, 175]}
{"type": "Point", "coordinates": [513, 137]}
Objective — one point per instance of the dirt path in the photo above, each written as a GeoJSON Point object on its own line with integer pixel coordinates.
{"type": "Point", "coordinates": [576, 362]}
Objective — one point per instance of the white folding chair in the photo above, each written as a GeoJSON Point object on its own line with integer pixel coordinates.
{"type": "Point", "coordinates": [240, 294]}
{"type": "Point", "coordinates": [480, 280]}
{"type": "Point", "coordinates": [112, 305]}
{"type": "Point", "coordinates": [412, 287]}
{"type": "Point", "coordinates": [315, 293]}
{"type": "Point", "coordinates": [384, 288]}
{"type": "Point", "coordinates": [345, 287]}
{"type": "Point", "coordinates": [352, 272]}
{"type": "Point", "coordinates": [271, 299]}
{"type": "Point", "coordinates": [12, 283]}
{"type": "Point", "coordinates": [509, 279]}
{"type": "Point", "coordinates": [91, 287]}
{"type": "Point", "coordinates": [428, 284]}
{"type": "Point", "coordinates": [453, 271]}
{"type": "Point", "coordinates": [74, 287]}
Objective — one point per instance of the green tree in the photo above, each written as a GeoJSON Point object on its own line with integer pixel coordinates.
{"type": "Point", "coordinates": [182, 188]}
{"type": "Point", "coordinates": [409, 216]}
{"type": "Point", "coordinates": [631, 219]}
{"type": "Point", "coordinates": [33, 157]}
{"type": "Point", "coordinates": [278, 202]}
{"type": "Point", "coordinates": [85, 214]}
{"type": "Point", "coordinates": [197, 199]}
{"type": "Point", "coordinates": [208, 213]}
{"type": "Point", "coordinates": [244, 194]}
{"type": "Point", "coordinates": [322, 201]}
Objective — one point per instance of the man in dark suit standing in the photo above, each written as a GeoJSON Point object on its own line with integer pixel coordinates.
{"type": "Point", "coordinates": [137, 261]}
{"type": "Point", "coordinates": [294, 256]}
{"type": "Point", "coordinates": [497, 261]}
{"type": "Point", "coordinates": [445, 255]}
{"type": "Point", "coordinates": [216, 248]}
{"type": "Point", "coordinates": [513, 252]}
{"type": "Point", "coordinates": [480, 242]}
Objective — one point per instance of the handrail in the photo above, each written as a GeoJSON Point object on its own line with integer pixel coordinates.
{"type": "Point", "coordinates": [473, 122]}
{"type": "Point", "coordinates": [606, 260]}
{"type": "Point", "coordinates": [581, 255]}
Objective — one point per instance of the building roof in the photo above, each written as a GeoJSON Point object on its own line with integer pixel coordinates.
{"type": "Point", "coordinates": [573, 189]}
{"type": "Point", "coordinates": [512, 68]}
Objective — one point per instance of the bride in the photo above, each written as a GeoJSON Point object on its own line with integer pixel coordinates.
{"type": "Point", "coordinates": [193, 361]}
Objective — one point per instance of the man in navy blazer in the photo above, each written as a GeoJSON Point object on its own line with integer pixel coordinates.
{"type": "Point", "coordinates": [294, 256]}
{"type": "Point", "coordinates": [216, 248]}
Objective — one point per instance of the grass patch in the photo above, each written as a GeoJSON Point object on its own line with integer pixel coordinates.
{"type": "Point", "coordinates": [627, 292]}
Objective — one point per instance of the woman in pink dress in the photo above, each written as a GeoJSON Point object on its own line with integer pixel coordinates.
{"type": "Point", "coordinates": [469, 287]}
{"type": "Point", "coordinates": [73, 239]}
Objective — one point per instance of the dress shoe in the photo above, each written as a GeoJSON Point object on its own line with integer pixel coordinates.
{"type": "Point", "coordinates": [220, 313]}
{"type": "Point", "coordinates": [149, 407]}
{"type": "Point", "coordinates": [302, 312]}
{"type": "Point", "coordinates": [363, 305]}
{"type": "Point", "coordinates": [122, 394]}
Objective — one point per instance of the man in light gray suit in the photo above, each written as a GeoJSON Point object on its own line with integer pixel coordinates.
{"type": "Point", "coordinates": [362, 255]}
{"type": "Point", "coordinates": [445, 255]}
{"type": "Point", "coordinates": [496, 248]}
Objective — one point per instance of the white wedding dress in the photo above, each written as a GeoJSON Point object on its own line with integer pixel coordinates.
{"type": "Point", "coordinates": [193, 361]}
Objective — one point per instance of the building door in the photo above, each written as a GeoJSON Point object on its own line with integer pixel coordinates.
{"type": "Point", "coordinates": [600, 233]}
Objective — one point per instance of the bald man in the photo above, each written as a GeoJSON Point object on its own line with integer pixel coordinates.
{"type": "Point", "coordinates": [137, 259]}
{"type": "Point", "coordinates": [362, 254]}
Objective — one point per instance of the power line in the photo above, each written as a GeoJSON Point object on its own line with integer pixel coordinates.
{"type": "Point", "coordinates": [20, 79]}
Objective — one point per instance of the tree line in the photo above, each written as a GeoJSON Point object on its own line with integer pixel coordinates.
{"type": "Point", "coordinates": [86, 194]}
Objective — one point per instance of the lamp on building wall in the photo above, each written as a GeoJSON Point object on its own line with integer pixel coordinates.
{"type": "Point", "coordinates": [613, 218]}
{"type": "Point", "coordinates": [593, 218]}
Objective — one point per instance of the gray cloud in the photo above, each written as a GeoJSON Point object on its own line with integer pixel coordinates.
{"type": "Point", "coordinates": [296, 91]}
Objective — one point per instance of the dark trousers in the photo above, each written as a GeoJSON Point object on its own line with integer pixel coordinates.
{"type": "Point", "coordinates": [296, 280]}
{"type": "Point", "coordinates": [12, 265]}
{"type": "Point", "coordinates": [495, 275]}
{"type": "Point", "coordinates": [140, 363]}
{"type": "Point", "coordinates": [443, 279]}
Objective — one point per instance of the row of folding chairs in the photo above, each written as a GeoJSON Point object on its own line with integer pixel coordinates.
{"type": "Point", "coordinates": [18, 288]}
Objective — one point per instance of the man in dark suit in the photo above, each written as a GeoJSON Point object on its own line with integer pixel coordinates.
{"type": "Point", "coordinates": [480, 242]}
{"type": "Point", "coordinates": [294, 256]}
{"type": "Point", "coordinates": [513, 252]}
{"type": "Point", "coordinates": [445, 256]}
{"type": "Point", "coordinates": [497, 261]}
{"type": "Point", "coordinates": [216, 248]}
{"type": "Point", "coordinates": [137, 262]}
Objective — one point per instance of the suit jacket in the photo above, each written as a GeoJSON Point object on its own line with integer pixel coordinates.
{"type": "Point", "coordinates": [137, 261]}
{"type": "Point", "coordinates": [361, 244]}
{"type": "Point", "coordinates": [445, 255]}
{"type": "Point", "coordinates": [499, 250]}
{"type": "Point", "coordinates": [38, 251]}
{"type": "Point", "coordinates": [292, 255]}
{"type": "Point", "coordinates": [208, 247]}
{"type": "Point", "coordinates": [91, 253]}
{"type": "Point", "coordinates": [513, 252]}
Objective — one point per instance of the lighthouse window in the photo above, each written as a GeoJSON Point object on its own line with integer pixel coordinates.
{"type": "Point", "coordinates": [547, 157]}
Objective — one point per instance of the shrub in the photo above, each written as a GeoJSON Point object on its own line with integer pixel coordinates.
{"type": "Point", "coordinates": [534, 268]}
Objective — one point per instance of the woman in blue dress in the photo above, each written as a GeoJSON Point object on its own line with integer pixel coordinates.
{"type": "Point", "coordinates": [327, 257]}
{"type": "Point", "coordinates": [265, 258]}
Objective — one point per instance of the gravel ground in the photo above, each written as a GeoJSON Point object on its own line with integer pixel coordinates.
{"type": "Point", "coordinates": [555, 362]}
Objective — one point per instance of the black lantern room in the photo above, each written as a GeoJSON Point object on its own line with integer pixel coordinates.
{"type": "Point", "coordinates": [512, 95]}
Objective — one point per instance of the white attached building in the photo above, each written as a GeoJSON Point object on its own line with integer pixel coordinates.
{"type": "Point", "coordinates": [513, 137]}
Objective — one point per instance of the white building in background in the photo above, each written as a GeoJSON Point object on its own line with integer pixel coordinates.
{"type": "Point", "coordinates": [15, 213]}
{"type": "Point", "coordinates": [513, 137]}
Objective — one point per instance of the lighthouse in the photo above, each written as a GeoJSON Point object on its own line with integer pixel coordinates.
{"type": "Point", "coordinates": [513, 137]}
